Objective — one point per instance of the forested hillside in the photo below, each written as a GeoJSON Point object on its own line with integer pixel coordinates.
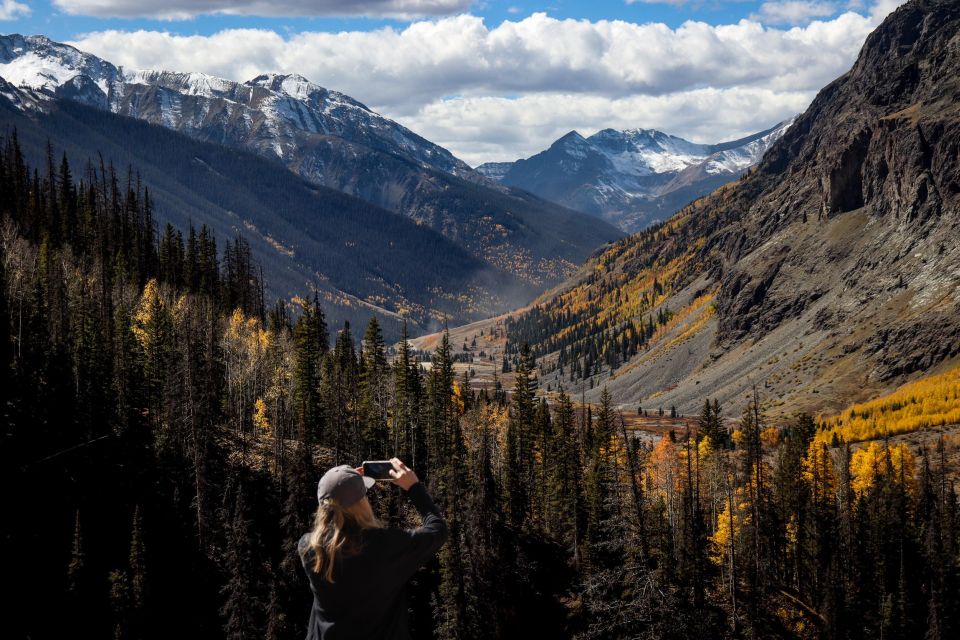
{"type": "Point", "coordinates": [828, 273]}
{"type": "Point", "coordinates": [363, 259]}
{"type": "Point", "coordinates": [164, 432]}
{"type": "Point", "coordinates": [333, 142]}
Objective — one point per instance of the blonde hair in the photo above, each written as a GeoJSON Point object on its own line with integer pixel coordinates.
{"type": "Point", "coordinates": [333, 529]}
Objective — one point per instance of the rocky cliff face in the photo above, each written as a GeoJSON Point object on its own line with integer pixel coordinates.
{"type": "Point", "coordinates": [834, 266]}
{"type": "Point", "coordinates": [862, 196]}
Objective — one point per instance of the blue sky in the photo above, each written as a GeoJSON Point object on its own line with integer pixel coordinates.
{"type": "Point", "coordinates": [497, 80]}
{"type": "Point", "coordinates": [47, 18]}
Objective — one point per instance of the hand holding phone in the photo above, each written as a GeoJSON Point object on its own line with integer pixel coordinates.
{"type": "Point", "coordinates": [377, 469]}
{"type": "Point", "coordinates": [394, 470]}
{"type": "Point", "coordinates": [403, 476]}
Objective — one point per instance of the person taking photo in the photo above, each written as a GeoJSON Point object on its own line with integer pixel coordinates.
{"type": "Point", "coordinates": [358, 569]}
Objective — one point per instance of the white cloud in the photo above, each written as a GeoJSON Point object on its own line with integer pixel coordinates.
{"type": "Point", "coordinates": [502, 92]}
{"type": "Point", "coordinates": [461, 55]}
{"type": "Point", "coordinates": [794, 11]}
{"type": "Point", "coordinates": [481, 129]}
{"type": "Point", "coordinates": [882, 8]}
{"type": "Point", "coordinates": [186, 9]}
{"type": "Point", "coordinates": [11, 10]}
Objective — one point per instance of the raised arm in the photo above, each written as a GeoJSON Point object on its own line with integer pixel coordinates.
{"type": "Point", "coordinates": [426, 539]}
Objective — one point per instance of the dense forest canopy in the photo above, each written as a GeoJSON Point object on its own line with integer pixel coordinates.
{"type": "Point", "coordinates": [164, 429]}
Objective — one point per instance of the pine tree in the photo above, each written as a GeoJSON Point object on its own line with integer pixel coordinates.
{"type": "Point", "coordinates": [339, 391]}
{"type": "Point", "coordinates": [710, 425]}
{"type": "Point", "coordinates": [452, 616]}
{"type": "Point", "coordinates": [542, 430]}
{"type": "Point", "coordinates": [565, 504]}
{"type": "Point", "coordinates": [519, 476]}
{"type": "Point", "coordinates": [598, 484]}
{"type": "Point", "coordinates": [77, 567]}
{"type": "Point", "coordinates": [752, 470]}
{"type": "Point", "coordinates": [482, 534]}
{"type": "Point", "coordinates": [241, 607]}
{"type": "Point", "coordinates": [309, 347]}
{"type": "Point", "coordinates": [120, 603]}
{"type": "Point", "coordinates": [440, 414]}
{"type": "Point", "coordinates": [400, 427]}
{"type": "Point", "coordinates": [139, 597]}
{"type": "Point", "coordinates": [375, 394]}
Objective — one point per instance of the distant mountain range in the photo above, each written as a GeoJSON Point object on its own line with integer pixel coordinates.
{"type": "Point", "coordinates": [829, 273]}
{"type": "Point", "coordinates": [276, 115]}
{"type": "Point", "coordinates": [462, 246]}
{"type": "Point", "coordinates": [631, 178]}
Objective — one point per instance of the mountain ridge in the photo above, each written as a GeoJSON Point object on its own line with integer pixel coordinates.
{"type": "Point", "coordinates": [633, 177]}
{"type": "Point", "coordinates": [827, 273]}
{"type": "Point", "coordinates": [363, 259]}
{"type": "Point", "coordinates": [329, 139]}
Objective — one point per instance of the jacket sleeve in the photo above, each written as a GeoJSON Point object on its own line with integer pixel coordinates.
{"type": "Point", "coordinates": [427, 539]}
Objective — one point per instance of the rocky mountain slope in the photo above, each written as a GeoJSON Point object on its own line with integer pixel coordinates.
{"type": "Point", "coordinates": [827, 274]}
{"type": "Point", "coordinates": [269, 112]}
{"type": "Point", "coordinates": [365, 260]}
{"type": "Point", "coordinates": [632, 178]}
{"type": "Point", "coordinates": [331, 140]}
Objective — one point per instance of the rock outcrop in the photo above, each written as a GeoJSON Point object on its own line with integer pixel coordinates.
{"type": "Point", "coordinates": [835, 264]}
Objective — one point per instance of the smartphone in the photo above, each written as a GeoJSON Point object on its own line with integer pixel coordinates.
{"type": "Point", "coordinates": [378, 469]}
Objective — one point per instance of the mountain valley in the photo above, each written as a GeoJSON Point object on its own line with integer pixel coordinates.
{"type": "Point", "coordinates": [505, 245]}
{"type": "Point", "coordinates": [828, 273]}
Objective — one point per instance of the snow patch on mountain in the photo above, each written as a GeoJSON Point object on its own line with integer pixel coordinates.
{"type": "Point", "coordinates": [38, 63]}
{"type": "Point", "coordinates": [745, 156]}
{"type": "Point", "coordinates": [494, 170]}
{"type": "Point", "coordinates": [633, 177]}
{"type": "Point", "coordinates": [36, 72]}
{"type": "Point", "coordinates": [270, 113]}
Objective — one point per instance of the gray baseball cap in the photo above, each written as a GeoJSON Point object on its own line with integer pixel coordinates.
{"type": "Point", "coordinates": [344, 485]}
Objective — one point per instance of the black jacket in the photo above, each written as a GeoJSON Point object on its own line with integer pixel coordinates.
{"type": "Point", "coordinates": [367, 598]}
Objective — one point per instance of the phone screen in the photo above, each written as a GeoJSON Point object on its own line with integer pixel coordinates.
{"type": "Point", "coordinates": [378, 470]}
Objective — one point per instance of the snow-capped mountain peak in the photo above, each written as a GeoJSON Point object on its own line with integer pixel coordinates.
{"type": "Point", "coordinates": [273, 114]}
{"type": "Point", "coordinates": [40, 64]}
{"type": "Point", "coordinates": [300, 88]}
{"type": "Point", "coordinates": [642, 152]}
{"type": "Point", "coordinates": [293, 84]}
{"type": "Point", "coordinates": [188, 84]}
{"type": "Point", "coordinates": [620, 175]}
{"type": "Point", "coordinates": [574, 145]}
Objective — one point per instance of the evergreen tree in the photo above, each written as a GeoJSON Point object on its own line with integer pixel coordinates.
{"type": "Point", "coordinates": [241, 607]}
{"type": "Point", "coordinates": [310, 346]}
{"type": "Point", "coordinates": [598, 485]}
{"type": "Point", "coordinates": [339, 390]}
{"type": "Point", "coordinates": [440, 414]}
{"type": "Point", "coordinates": [139, 597]}
{"type": "Point", "coordinates": [520, 442]}
{"type": "Point", "coordinates": [120, 603]}
{"type": "Point", "coordinates": [375, 394]}
{"type": "Point", "coordinates": [710, 425]}
{"type": "Point", "coordinates": [403, 425]}
{"type": "Point", "coordinates": [565, 504]}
